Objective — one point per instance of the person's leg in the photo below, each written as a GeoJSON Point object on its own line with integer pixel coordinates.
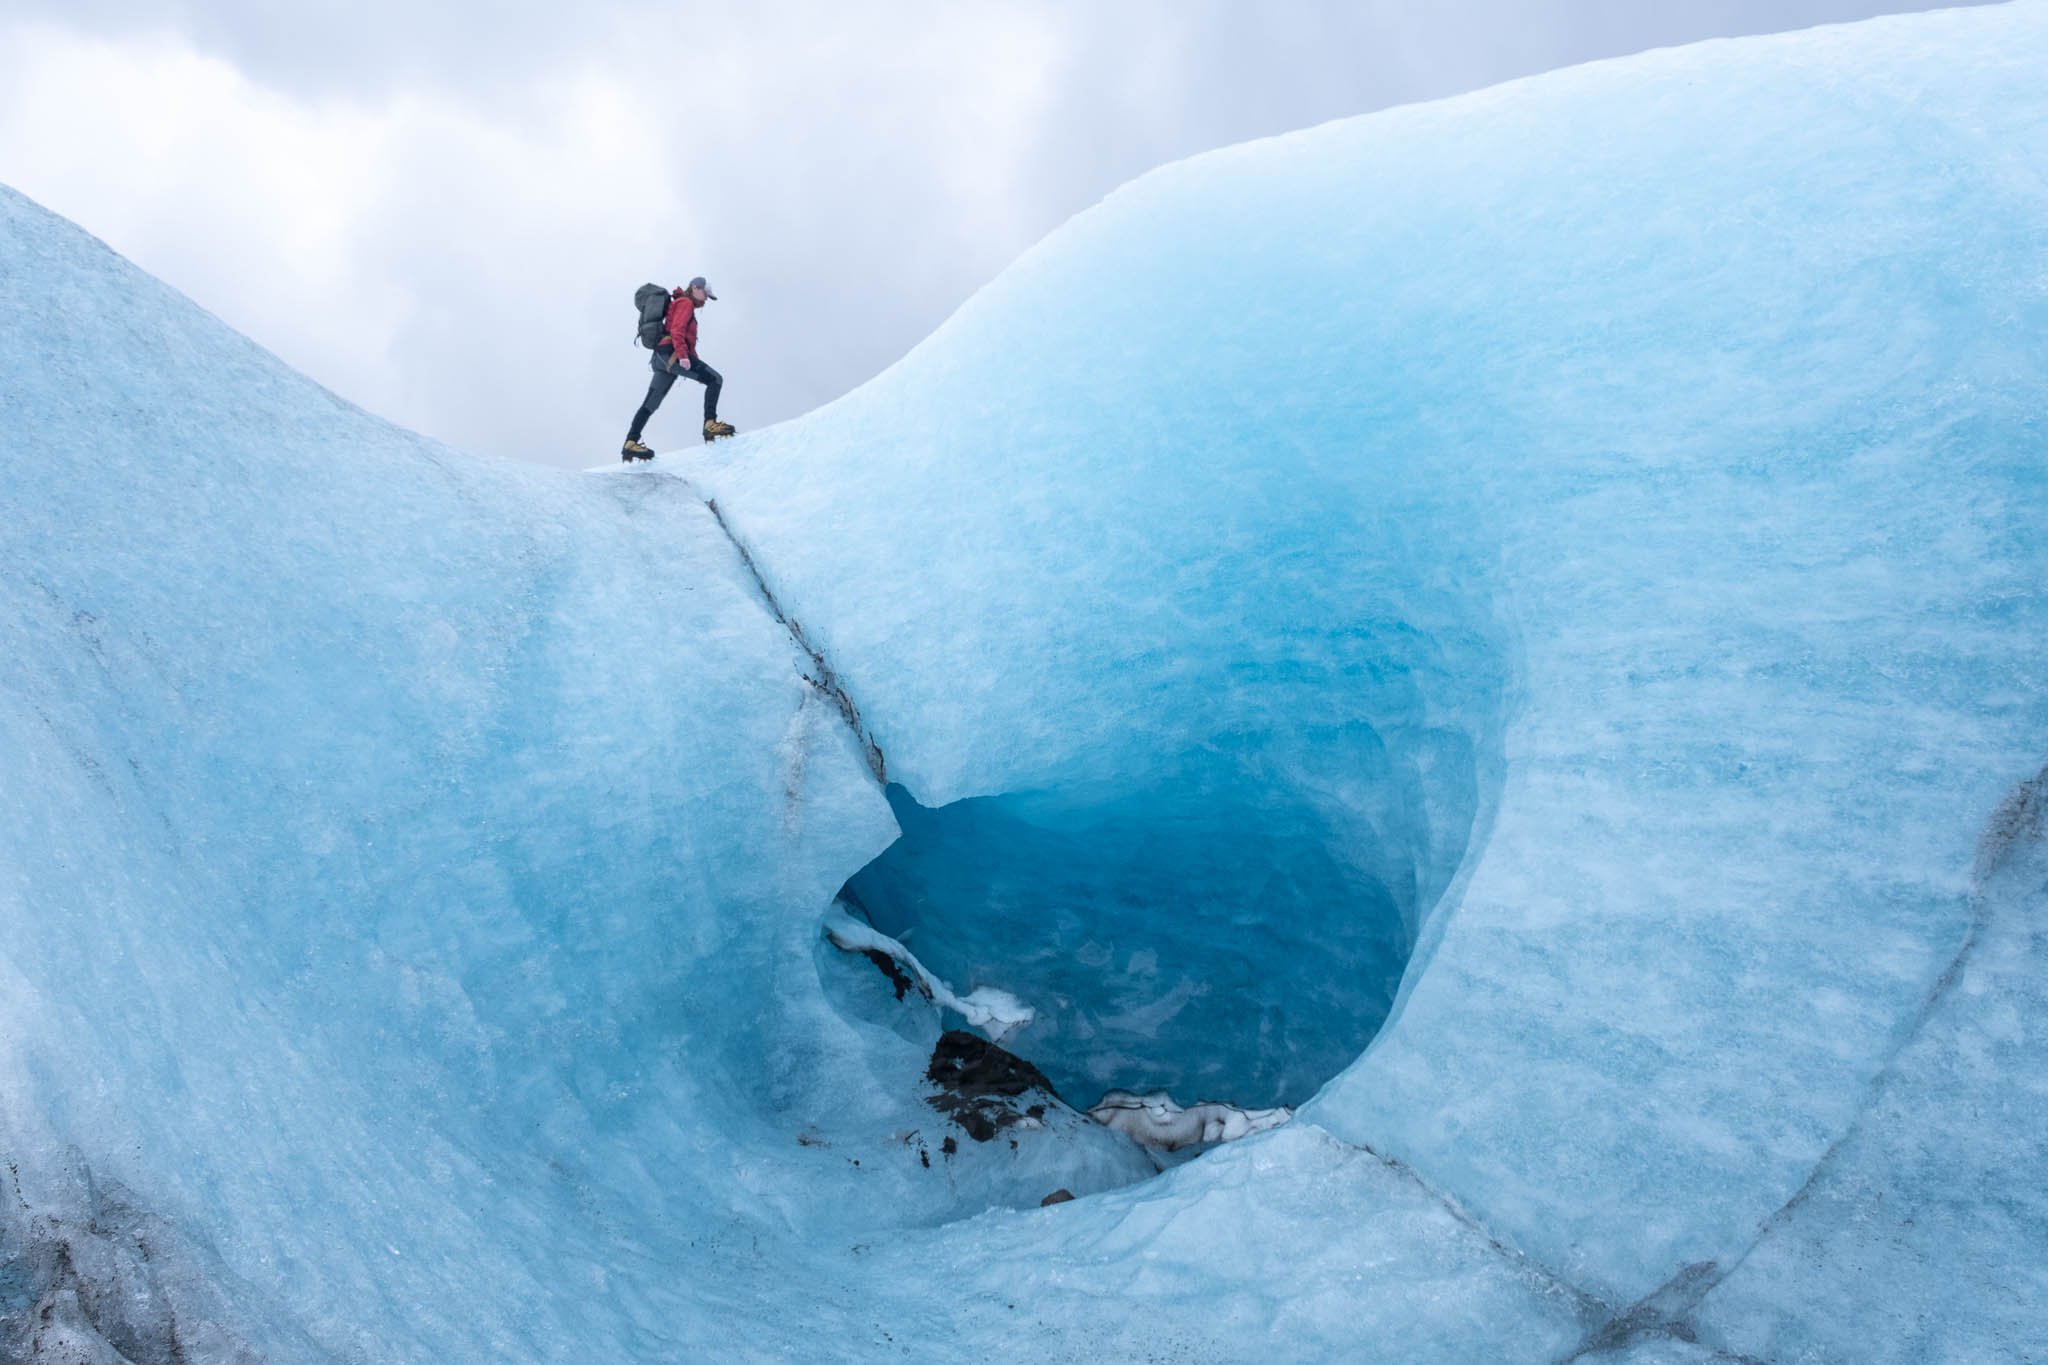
{"type": "Point", "coordinates": [712, 381]}
{"type": "Point", "coordinates": [664, 379]}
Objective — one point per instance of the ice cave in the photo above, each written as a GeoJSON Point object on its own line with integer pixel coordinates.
{"type": "Point", "coordinates": [1524, 753]}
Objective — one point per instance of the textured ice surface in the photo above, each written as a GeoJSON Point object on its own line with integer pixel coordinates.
{"type": "Point", "coordinates": [409, 865]}
{"type": "Point", "coordinates": [1622, 492]}
{"type": "Point", "coordinates": [1588, 534]}
{"type": "Point", "coordinates": [1947, 1156]}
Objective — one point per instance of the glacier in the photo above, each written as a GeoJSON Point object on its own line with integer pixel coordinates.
{"type": "Point", "coordinates": [1513, 628]}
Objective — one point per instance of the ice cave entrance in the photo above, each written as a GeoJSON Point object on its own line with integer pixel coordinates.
{"type": "Point", "coordinates": [1179, 939]}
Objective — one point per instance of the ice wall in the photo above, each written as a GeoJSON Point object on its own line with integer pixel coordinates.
{"type": "Point", "coordinates": [1639, 468]}
{"type": "Point", "coordinates": [409, 863]}
{"type": "Point", "coordinates": [1589, 530]}
{"type": "Point", "coordinates": [412, 870]}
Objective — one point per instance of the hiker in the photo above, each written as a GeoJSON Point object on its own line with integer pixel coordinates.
{"type": "Point", "coordinates": [675, 356]}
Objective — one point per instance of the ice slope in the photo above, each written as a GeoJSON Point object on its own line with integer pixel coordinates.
{"type": "Point", "coordinates": [411, 871]}
{"type": "Point", "coordinates": [1611, 509]}
{"type": "Point", "coordinates": [1556, 571]}
{"type": "Point", "coordinates": [399, 848]}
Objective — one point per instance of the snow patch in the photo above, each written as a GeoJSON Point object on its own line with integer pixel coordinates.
{"type": "Point", "coordinates": [1155, 1120]}
{"type": "Point", "coordinates": [997, 1013]}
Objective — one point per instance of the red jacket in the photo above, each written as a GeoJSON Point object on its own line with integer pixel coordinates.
{"type": "Point", "coordinates": [681, 326]}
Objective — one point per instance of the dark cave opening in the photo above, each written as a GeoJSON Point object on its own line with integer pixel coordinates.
{"type": "Point", "coordinates": [1174, 939]}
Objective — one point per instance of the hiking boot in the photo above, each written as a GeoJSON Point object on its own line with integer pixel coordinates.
{"type": "Point", "coordinates": [713, 429]}
{"type": "Point", "coordinates": [633, 450]}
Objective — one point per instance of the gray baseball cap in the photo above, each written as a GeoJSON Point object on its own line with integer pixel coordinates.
{"type": "Point", "coordinates": [699, 281]}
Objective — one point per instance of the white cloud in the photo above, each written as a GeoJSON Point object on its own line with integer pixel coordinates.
{"type": "Point", "coordinates": [409, 253]}
{"type": "Point", "coordinates": [253, 203]}
{"type": "Point", "coordinates": [461, 261]}
{"type": "Point", "coordinates": [441, 212]}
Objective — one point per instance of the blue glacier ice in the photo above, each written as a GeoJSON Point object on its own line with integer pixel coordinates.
{"type": "Point", "coordinates": [1514, 627]}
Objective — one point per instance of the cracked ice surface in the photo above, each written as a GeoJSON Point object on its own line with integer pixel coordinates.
{"type": "Point", "coordinates": [1600, 520]}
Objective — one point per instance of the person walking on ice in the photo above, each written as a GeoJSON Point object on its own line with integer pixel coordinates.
{"type": "Point", "coordinates": [675, 357]}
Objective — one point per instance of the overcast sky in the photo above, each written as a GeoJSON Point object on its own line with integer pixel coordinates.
{"type": "Point", "coordinates": [441, 210]}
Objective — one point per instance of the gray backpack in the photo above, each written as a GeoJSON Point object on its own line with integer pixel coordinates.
{"type": "Point", "coordinates": [652, 301]}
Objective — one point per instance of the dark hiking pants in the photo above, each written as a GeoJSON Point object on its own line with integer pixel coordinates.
{"type": "Point", "coordinates": [665, 378]}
